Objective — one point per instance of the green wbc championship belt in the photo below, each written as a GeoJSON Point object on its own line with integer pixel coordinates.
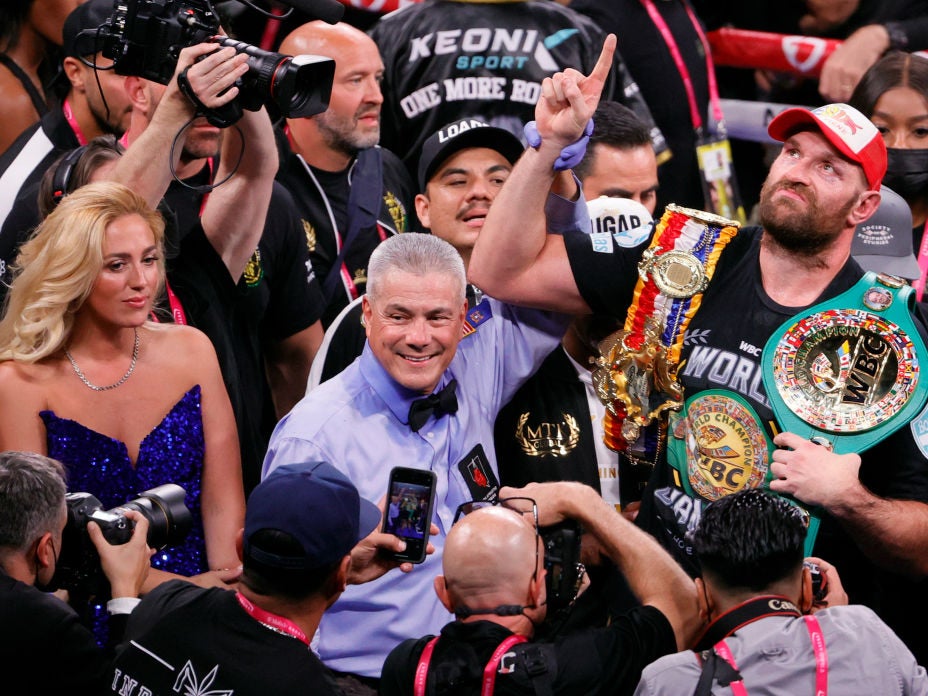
{"type": "Point", "coordinates": [718, 446]}
{"type": "Point", "coordinates": [848, 370]}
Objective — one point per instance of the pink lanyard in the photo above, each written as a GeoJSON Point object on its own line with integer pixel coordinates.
{"type": "Point", "coordinates": [489, 672]}
{"type": "Point", "coordinates": [272, 621]}
{"type": "Point", "coordinates": [714, 100]}
{"type": "Point", "coordinates": [922, 265]}
{"type": "Point", "coordinates": [818, 647]}
{"type": "Point", "coordinates": [72, 121]}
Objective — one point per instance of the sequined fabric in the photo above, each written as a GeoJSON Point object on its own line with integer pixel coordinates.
{"type": "Point", "coordinates": [171, 453]}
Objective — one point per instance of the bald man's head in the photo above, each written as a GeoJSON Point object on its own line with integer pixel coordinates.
{"type": "Point", "coordinates": [352, 121]}
{"type": "Point", "coordinates": [320, 38]}
{"type": "Point", "coordinates": [489, 559]}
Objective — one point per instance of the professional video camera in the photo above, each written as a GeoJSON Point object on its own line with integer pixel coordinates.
{"type": "Point", "coordinates": [145, 37]}
{"type": "Point", "coordinates": [78, 568]}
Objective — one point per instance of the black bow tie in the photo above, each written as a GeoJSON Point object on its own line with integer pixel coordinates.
{"type": "Point", "coordinates": [437, 404]}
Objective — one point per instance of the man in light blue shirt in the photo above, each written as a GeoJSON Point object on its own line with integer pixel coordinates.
{"type": "Point", "coordinates": [421, 339]}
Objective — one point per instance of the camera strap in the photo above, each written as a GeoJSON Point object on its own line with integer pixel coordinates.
{"type": "Point", "coordinates": [743, 614]}
{"type": "Point", "coordinates": [718, 662]}
{"type": "Point", "coordinates": [221, 117]}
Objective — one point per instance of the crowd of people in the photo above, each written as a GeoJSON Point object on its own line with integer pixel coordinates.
{"type": "Point", "coordinates": [675, 419]}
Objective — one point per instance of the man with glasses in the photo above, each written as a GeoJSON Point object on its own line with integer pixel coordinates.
{"type": "Point", "coordinates": [494, 583]}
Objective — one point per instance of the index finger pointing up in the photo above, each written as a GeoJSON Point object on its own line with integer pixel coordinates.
{"type": "Point", "coordinates": [601, 69]}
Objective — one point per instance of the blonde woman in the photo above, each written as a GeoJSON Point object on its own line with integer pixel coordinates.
{"type": "Point", "coordinates": [124, 402]}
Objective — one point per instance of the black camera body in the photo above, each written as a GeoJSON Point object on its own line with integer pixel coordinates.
{"type": "Point", "coordinates": [78, 568]}
{"type": "Point", "coordinates": [819, 581]}
{"type": "Point", "coordinates": [562, 561]}
{"type": "Point", "coordinates": [144, 38]}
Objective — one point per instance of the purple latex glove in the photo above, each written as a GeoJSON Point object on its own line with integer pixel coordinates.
{"type": "Point", "coordinates": [571, 155]}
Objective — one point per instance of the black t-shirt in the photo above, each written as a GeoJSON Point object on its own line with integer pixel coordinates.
{"type": "Point", "coordinates": [447, 60]}
{"type": "Point", "coordinates": [722, 350]}
{"type": "Point", "coordinates": [187, 639]}
{"type": "Point", "coordinates": [603, 661]}
{"type": "Point", "coordinates": [321, 200]}
{"type": "Point", "coordinates": [276, 297]}
{"type": "Point", "coordinates": [39, 629]}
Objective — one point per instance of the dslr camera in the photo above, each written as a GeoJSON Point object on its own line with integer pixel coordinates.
{"type": "Point", "coordinates": [144, 38]}
{"type": "Point", "coordinates": [78, 568]}
{"type": "Point", "coordinates": [565, 571]}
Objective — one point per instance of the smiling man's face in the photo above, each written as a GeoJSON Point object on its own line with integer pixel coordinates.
{"type": "Point", "coordinates": [458, 196]}
{"type": "Point", "coordinates": [414, 324]}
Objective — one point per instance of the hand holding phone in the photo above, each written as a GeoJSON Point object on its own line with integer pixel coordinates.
{"type": "Point", "coordinates": [410, 502]}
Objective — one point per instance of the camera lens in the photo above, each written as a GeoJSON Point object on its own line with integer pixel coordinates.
{"type": "Point", "coordinates": [299, 85]}
{"type": "Point", "coordinates": [169, 520]}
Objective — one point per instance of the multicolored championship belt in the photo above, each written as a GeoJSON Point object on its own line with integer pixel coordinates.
{"type": "Point", "coordinates": [717, 445]}
{"type": "Point", "coordinates": [635, 375]}
{"type": "Point", "coordinates": [847, 372]}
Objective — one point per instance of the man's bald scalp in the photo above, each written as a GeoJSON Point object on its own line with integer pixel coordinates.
{"type": "Point", "coordinates": [488, 554]}
{"type": "Point", "coordinates": [321, 38]}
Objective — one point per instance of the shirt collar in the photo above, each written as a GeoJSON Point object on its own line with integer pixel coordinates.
{"type": "Point", "coordinates": [397, 397]}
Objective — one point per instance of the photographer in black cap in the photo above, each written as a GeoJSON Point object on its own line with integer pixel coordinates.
{"type": "Point", "coordinates": [32, 519]}
{"type": "Point", "coordinates": [303, 542]}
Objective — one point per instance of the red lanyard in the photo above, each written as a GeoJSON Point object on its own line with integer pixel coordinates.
{"type": "Point", "coordinates": [271, 27]}
{"type": "Point", "coordinates": [714, 100]}
{"type": "Point", "coordinates": [818, 647]}
{"type": "Point", "coordinates": [489, 672]}
{"type": "Point", "coordinates": [72, 121]}
{"type": "Point", "coordinates": [272, 621]}
{"type": "Point", "coordinates": [177, 309]}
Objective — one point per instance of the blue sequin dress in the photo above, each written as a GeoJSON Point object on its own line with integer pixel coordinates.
{"type": "Point", "coordinates": [171, 453]}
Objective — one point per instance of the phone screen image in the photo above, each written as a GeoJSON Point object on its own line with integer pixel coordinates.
{"type": "Point", "coordinates": [409, 510]}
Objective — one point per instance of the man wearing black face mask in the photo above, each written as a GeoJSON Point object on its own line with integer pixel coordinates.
{"type": "Point", "coordinates": [32, 519]}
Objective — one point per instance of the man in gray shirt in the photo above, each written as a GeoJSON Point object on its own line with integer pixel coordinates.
{"type": "Point", "coordinates": [765, 630]}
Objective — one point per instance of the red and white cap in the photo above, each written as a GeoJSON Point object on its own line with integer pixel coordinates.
{"type": "Point", "coordinates": [846, 128]}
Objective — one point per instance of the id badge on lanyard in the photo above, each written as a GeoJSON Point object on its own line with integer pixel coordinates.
{"type": "Point", "coordinates": [713, 151]}
{"type": "Point", "coordinates": [717, 173]}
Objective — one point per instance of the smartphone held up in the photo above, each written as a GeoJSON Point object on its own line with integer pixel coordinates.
{"type": "Point", "coordinates": [410, 501]}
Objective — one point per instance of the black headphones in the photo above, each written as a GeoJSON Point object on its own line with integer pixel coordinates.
{"type": "Point", "coordinates": [61, 179]}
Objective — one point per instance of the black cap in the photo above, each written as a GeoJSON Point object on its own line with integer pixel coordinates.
{"type": "Point", "coordinates": [468, 132]}
{"type": "Point", "coordinates": [317, 506]}
{"type": "Point", "coordinates": [80, 28]}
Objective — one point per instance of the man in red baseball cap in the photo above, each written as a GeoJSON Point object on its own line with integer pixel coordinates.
{"type": "Point", "coordinates": [825, 182]}
{"type": "Point", "coordinates": [846, 128]}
